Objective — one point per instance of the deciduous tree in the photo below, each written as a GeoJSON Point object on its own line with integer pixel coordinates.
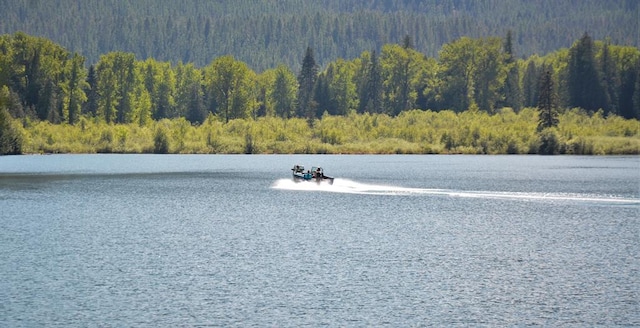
{"type": "Point", "coordinates": [458, 66]}
{"type": "Point", "coordinates": [10, 137]}
{"type": "Point", "coordinates": [283, 93]}
{"type": "Point", "coordinates": [116, 82]}
{"type": "Point", "coordinates": [341, 87]}
{"type": "Point", "coordinates": [230, 85]}
{"type": "Point", "coordinates": [400, 72]}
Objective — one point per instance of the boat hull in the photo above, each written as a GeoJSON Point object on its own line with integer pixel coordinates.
{"type": "Point", "coordinates": [314, 175]}
{"type": "Point", "coordinates": [303, 178]}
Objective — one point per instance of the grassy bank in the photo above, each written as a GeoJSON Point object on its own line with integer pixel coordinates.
{"type": "Point", "coordinates": [412, 132]}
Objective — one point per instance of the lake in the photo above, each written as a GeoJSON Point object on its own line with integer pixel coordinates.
{"type": "Point", "coordinates": [231, 240]}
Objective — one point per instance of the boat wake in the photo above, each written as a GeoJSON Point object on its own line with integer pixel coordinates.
{"type": "Point", "coordinates": [352, 187]}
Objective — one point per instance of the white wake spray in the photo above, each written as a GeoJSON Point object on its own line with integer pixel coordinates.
{"type": "Point", "coordinates": [353, 187]}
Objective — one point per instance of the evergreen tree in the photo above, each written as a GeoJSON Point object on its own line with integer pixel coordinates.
{"type": "Point", "coordinates": [530, 85]}
{"type": "Point", "coordinates": [46, 106]}
{"type": "Point", "coordinates": [370, 86]}
{"type": "Point", "coordinates": [322, 101]}
{"type": "Point", "coordinates": [202, 30]}
{"type": "Point", "coordinates": [628, 76]}
{"type": "Point", "coordinates": [37, 92]}
{"type": "Point", "coordinates": [635, 108]}
{"type": "Point", "coordinates": [34, 82]}
{"type": "Point", "coordinates": [106, 88]}
{"type": "Point", "coordinates": [306, 83]}
{"type": "Point", "coordinates": [547, 102]}
{"type": "Point", "coordinates": [125, 66]}
{"type": "Point", "coordinates": [375, 85]}
{"type": "Point", "coordinates": [610, 80]}
{"type": "Point", "coordinates": [90, 107]}
{"type": "Point", "coordinates": [508, 47]}
{"type": "Point", "coordinates": [196, 111]}
{"type": "Point", "coordinates": [407, 42]}
{"type": "Point", "coordinates": [511, 91]}
{"type": "Point", "coordinates": [74, 87]}
{"type": "Point", "coordinates": [585, 88]}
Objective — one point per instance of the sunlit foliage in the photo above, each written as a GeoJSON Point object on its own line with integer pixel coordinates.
{"type": "Point", "coordinates": [412, 132]}
{"type": "Point", "coordinates": [399, 102]}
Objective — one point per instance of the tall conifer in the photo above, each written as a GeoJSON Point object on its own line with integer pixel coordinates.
{"type": "Point", "coordinates": [585, 88]}
{"type": "Point", "coordinates": [306, 82]}
{"type": "Point", "coordinates": [530, 85]}
{"type": "Point", "coordinates": [610, 80]}
{"type": "Point", "coordinates": [371, 90]}
{"type": "Point", "coordinates": [547, 102]}
{"type": "Point", "coordinates": [512, 92]}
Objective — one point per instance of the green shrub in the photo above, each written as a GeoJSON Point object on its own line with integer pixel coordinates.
{"type": "Point", "coordinates": [10, 136]}
{"type": "Point", "coordinates": [549, 142]}
{"type": "Point", "coordinates": [160, 141]}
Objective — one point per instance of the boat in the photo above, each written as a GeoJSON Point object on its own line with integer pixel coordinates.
{"type": "Point", "coordinates": [315, 174]}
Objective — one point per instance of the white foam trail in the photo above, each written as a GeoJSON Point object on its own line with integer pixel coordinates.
{"type": "Point", "coordinates": [352, 187]}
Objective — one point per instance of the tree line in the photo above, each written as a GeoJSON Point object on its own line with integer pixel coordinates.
{"type": "Point", "coordinates": [263, 33]}
{"type": "Point", "coordinates": [41, 80]}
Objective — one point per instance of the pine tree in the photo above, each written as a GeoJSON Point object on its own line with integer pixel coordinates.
{"type": "Point", "coordinates": [547, 102]}
{"type": "Point", "coordinates": [407, 42]}
{"type": "Point", "coordinates": [508, 47]}
{"type": "Point", "coordinates": [530, 85]}
{"type": "Point", "coordinates": [512, 91]}
{"type": "Point", "coordinates": [375, 84]}
{"type": "Point", "coordinates": [90, 107]}
{"type": "Point", "coordinates": [75, 86]}
{"type": "Point", "coordinates": [321, 96]}
{"type": "Point", "coordinates": [46, 106]}
{"type": "Point", "coordinates": [635, 108]}
{"type": "Point", "coordinates": [196, 112]}
{"type": "Point", "coordinates": [306, 83]}
{"type": "Point", "coordinates": [585, 88]}
{"type": "Point", "coordinates": [370, 90]}
{"type": "Point", "coordinates": [610, 80]}
{"type": "Point", "coordinates": [628, 77]}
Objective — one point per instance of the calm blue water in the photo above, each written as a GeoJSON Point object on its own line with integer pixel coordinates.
{"type": "Point", "coordinates": [188, 240]}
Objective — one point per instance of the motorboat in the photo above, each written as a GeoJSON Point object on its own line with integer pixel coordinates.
{"type": "Point", "coordinates": [315, 174]}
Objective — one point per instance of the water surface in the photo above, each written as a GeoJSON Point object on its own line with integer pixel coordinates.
{"type": "Point", "coordinates": [216, 240]}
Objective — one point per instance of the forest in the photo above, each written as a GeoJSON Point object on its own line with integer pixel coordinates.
{"type": "Point", "coordinates": [266, 33]}
{"type": "Point", "coordinates": [584, 99]}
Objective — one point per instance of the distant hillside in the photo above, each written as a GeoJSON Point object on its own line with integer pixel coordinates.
{"type": "Point", "coordinates": [264, 33]}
